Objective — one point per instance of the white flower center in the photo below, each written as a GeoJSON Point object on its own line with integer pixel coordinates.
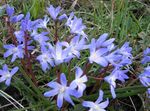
{"type": "Point", "coordinates": [45, 57]}
{"type": "Point", "coordinates": [94, 56]}
{"type": "Point", "coordinates": [79, 80]}
{"type": "Point", "coordinates": [62, 89]}
{"type": "Point", "coordinates": [58, 57]}
{"type": "Point", "coordinates": [7, 75]}
{"type": "Point", "coordinates": [14, 50]}
{"type": "Point", "coordinates": [96, 108]}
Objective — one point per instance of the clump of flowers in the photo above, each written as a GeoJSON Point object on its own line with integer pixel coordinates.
{"type": "Point", "coordinates": [32, 43]}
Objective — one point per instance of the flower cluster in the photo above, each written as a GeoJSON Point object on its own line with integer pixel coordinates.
{"type": "Point", "coordinates": [63, 91]}
{"type": "Point", "coordinates": [32, 42]}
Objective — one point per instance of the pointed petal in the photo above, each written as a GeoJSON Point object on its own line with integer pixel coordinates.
{"type": "Point", "coordinates": [51, 93]}
{"type": "Point", "coordinates": [81, 88]}
{"type": "Point", "coordinates": [73, 85]}
{"type": "Point", "coordinates": [13, 58]}
{"type": "Point", "coordinates": [14, 70]}
{"type": "Point", "coordinates": [100, 98]}
{"type": "Point", "coordinates": [63, 79]}
{"type": "Point", "coordinates": [5, 67]}
{"type": "Point", "coordinates": [101, 51]}
{"type": "Point", "coordinates": [8, 81]}
{"type": "Point", "coordinates": [88, 104]}
{"type": "Point", "coordinates": [112, 89]}
{"type": "Point", "coordinates": [104, 104]}
{"type": "Point", "coordinates": [101, 61]}
{"type": "Point", "coordinates": [67, 98]}
{"type": "Point", "coordinates": [54, 85]}
{"type": "Point", "coordinates": [79, 72]}
{"type": "Point", "coordinates": [7, 53]}
{"type": "Point", "coordinates": [3, 78]}
{"type": "Point", "coordinates": [60, 100]}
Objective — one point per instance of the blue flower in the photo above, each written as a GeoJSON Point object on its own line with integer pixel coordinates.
{"type": "Point", "coordinates": [62, 17]}
{"type": "Point", "coordinates": [117, 74]}
{"type": "Point", "coordinates": [16, 18]}
{"type": "Point", "coordinates": [61, 90]}
{"type": "Point", "coordinates": [43, 23]}
{"type": "Point", "coordinates": [10, 10]}
{"type": "Point", "coordinates": [76, 45]}
{"type": "Point", "coordinates": [102, 42]}
{"type": "Point", "coordinates": [121, 56]}
{"type": "Point", "coordinates": [79, 82]}
{"type": "Point", "coordinates": [15, 51]}
{"type": "Point", "coordinates": [125, 50]}
{"type": "Point", "coordinates": [54, 11]}
{"type": "Point", "coordinates": [145, 77]}
{"type": "Point", "coordinates": [6, 76]}
{"type": "Point", "coordinates": [76, 25]}
{"type": "Point", "coordinates": [59, 54]}
{"type": "Point", "coordinates": [27, 24]}
{"type": "Point", "coordinates": [146, 55]}
{"type": "Point", "coordinates": [97, 55]}
{"type": "Point", "coordinates": [20, 36]}
{"type": "Point", "coordinates": [45, 59]}
{"type": "Point", "coordinates": [41, 38]}
{"type": "Point", "coordinates": [97, 105]}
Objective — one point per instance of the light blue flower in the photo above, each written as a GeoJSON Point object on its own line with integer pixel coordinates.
{"type": "Point", "coordinates": [76, 25]}
{"type": "Point", "coordinates": [54, 11]}
{"type": "Point", "coordinates": [45, 59]}
{"type": "Point", "coordinates": [61, 90]}
{"type": "Point", "coordinates": [98, 105]}
{"type": "Point", "coordinates": [121, 56]}
{"type": "Point", "coordinates": [16, 18]}
{"type": "Point", "coordinates": [43, 23]}
{"type": "Point", "coordinates": [20, 36]}
{"type": "Point", "coordinates": [79, 82]}
{"type": "Point", "coordinates": [5, 75]}
{"type": "Point", "coordinates": [27, 24]}
{"type": "Point", "coordinates": [15, 51]}
{"type": "Point", "coordinates": [117, 74]}
{"type": "Point", "coordinates": [145, 77]}
{"type": "Point", "coordinates": [59, 54]}
{"type": "Point", "coordinates": [41, 38]}
{"type": "Point", "coordinates": [10, 10]}
{"type": "Point", "coordinates": [76, 44]}
{"type": "Point", "coordinates": [97, 55]}
{"type": "Point", "coordinates": [146, 56]}
{"type": "Point", "coordinates": [102, 42]}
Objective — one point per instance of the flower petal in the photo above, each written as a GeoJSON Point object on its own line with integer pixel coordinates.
{"type": "Point", "coordinates": [63, 79]}
{"type": "Point", "coordinates": [51, 93]}
{"type": "Point", "coordinates": [104, 104]}
{"type": "Point", "coordinates": [79, 72]}
{"type": "Point", "coordinates": [60, 100]}
{"type": "Point", "coordinates": [100, 98]}
{"type": "Point", "coordinates": [88, 104]}
{"type": "Point", "coordinates": [14, 70]}
{"type": "Point", "coordinates": [8, 81]}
